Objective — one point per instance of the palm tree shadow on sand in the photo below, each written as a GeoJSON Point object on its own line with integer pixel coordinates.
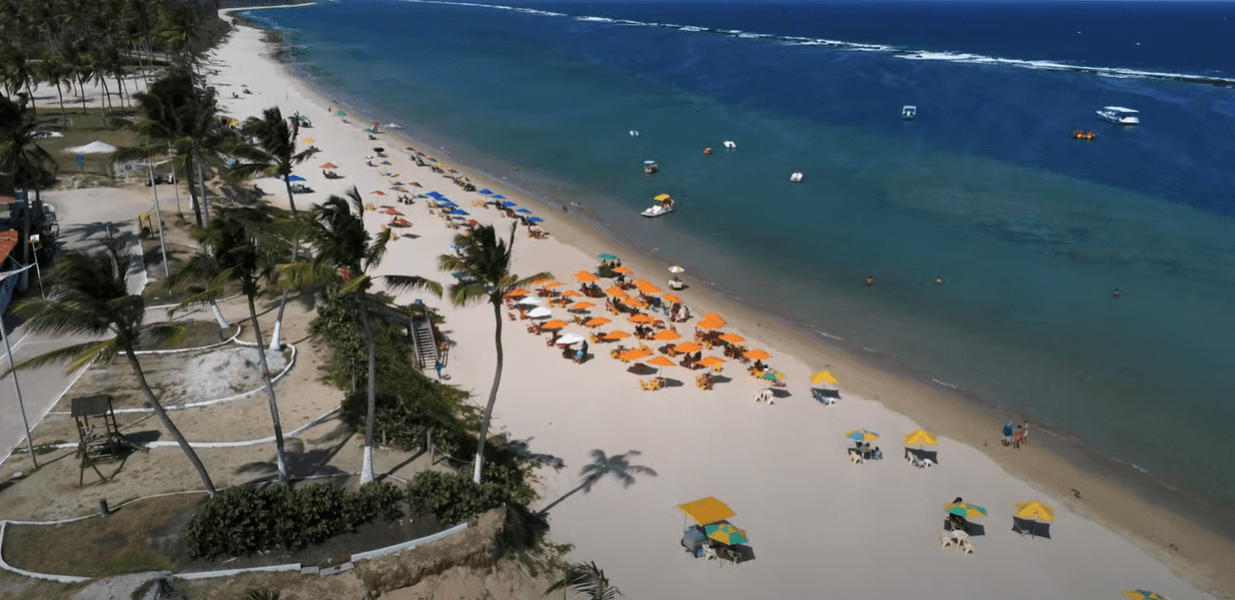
{"type": "Point", "coordinates": [617, 465]}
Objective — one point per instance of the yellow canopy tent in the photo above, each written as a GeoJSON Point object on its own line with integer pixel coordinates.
{"type": "Point", "coordinates": [706, 510]}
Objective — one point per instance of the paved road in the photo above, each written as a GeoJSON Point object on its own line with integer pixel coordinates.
{"type": "Point", "coordinates": [85, 217]}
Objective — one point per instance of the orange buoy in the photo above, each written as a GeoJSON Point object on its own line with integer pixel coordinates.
{"type": "Point", "coordinates": [707, 151]}
{"type": "Point", "coordinates": [1089, 135]}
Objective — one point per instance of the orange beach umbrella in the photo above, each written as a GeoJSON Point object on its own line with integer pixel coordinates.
{"type": "Point", "coordinates": [687, 347]}
{"type": "Point", "coordinates": [554, 324]}
{"type": "Point", "coordinates": [631, 302]}
{"type": "Point", "coordinates": [585, 277]}
{"type": "Point", "coordinates": [616, 291]}
{"type": "Point", "coordinates": [516, 293]}
{"type": "Point", "coordinates": [710, 324]}
{"type": "Point", "coordinates": [733, 338]}
{"type": "Point", "coordinates": [671, 298]}
{"type": "Point", "coordinates": [757, 355]}
{"type": "Point", "coordinates": [596, 321]}
{"type": "Point", "coordinates": [661, 361]}
{"type": "Point", "coordinates": [570, 294]}
{"type": "Point", "coordinates": [378, 193]}
{"type": "Point", "coordinates": [667, 335]}
{"type": "Point", "coordinates": [646, 287]}
{"type": "Point", "coordinates": [640, 318]}
{"type": "Point", "coordinates": [710, 360]}
{"type": "Point", "coordinates": [635, 354]}
{"type": "Point", "coordinates": [616, 334]}
{"type": "Point", "coordinates": [581, 306]}
{"type": "Point", "coordinates": [329, 166]}
{"type": "Point", "coordinates": [550, 284]}
{"type": "Point", "coordinates": [623, 270]}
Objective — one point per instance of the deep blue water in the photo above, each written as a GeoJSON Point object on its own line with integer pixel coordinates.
{"type": "Point", "coordinates": [1030, 229]}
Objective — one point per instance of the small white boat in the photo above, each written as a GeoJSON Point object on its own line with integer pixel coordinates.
{"type": "Point", "coordinates": [1120, 115]}
{"type": "Point", "coordinates": [649, 167]}
{"type": "Point", "coordinates": [663, 206]}
{"type": "Point", "coordinates": [730, 145]}
{"type": "Point", "coordinates": [909, 112]}
{"type": "Point", "coordinates": [634, 133]}
{"type": "Point", "coordinates": [796, 178]}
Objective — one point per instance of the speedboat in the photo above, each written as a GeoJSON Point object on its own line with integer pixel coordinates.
{"type": "Point", "coordinates": [796, 178]}
{"type": "Point", "coordinates": [663, 205]}
{"type": "Point", "coordinates": [909, 112]}
{"type": "Point", "coordinates": [1120, 115]}
{"type": "Point", "coordinates": [729, 144]}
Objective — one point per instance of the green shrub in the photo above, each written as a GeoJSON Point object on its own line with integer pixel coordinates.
{"type": "Point", "coordinates": [244, 520]}
{"type": "Point", "coordinates": [454, 497]}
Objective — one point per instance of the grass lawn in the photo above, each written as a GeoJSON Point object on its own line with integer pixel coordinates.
{"type": "Point", "coordinates": [132, 539]}
{"type": "Point", "coordinates": [84, 127]}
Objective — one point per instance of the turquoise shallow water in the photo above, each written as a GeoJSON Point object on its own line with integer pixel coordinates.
{"type": "Point", "coordinates": [1030, 229]}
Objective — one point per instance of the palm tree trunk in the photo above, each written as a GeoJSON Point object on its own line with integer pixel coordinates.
{"type": "Point", "coordinates": [167, 422]}
{"type": "Point", "coordinates": [279, 456]}
{"type": "Point", "coordinates": [106, 103]}
{"type": "Point", "coordinates": [201, 177]}
{"type": "Point", "coordinates": [64, 114]}
{"type": "Point", "coordinates": [366, 465]}
{"type": "Point", "coordinates": [224, 325]}
{"type": "Point", "coordinates": [188, 178]}
{"type": "Point", "coordinates": [278, 319]}
{"type": "Point", "coordinates": [497, 381]}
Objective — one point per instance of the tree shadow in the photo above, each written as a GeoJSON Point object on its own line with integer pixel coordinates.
{"type": "Point", "coordinates": [721, 379]}
{"type": "Point", "coordinates": [300, 464]}
{"type": "Point", "coordinates": [617, 465]}
{"type": "Point", "coordinates": [523, 450]}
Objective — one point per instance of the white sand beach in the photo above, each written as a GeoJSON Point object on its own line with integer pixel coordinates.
{"type": "Point", "coordinates": [817, 523]}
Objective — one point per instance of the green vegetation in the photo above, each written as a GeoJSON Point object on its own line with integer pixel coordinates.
{"type": "Point", "coordinates": [244, 520]}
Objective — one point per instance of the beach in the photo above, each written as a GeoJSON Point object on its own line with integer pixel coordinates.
{"type": "Point", "coordinates": [815, 521]}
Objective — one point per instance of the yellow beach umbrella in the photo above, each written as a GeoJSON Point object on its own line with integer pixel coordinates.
{"type": "Point", "coordinates": [1143, 595]}
{"type": "Point", "coordinates": [706, 510]}
{"type": "Point", "coordinates": [824, 377]}
{"type": "Point", "coordinates": [1035, 511]}
{"type": "Point", "coordinates": [919, 437]}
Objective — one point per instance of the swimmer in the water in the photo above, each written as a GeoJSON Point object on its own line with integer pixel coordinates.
{"type": "Point", "coordinates": [1115, 294]}
{"type": "Point", "coordinates": [938, 281]}
{"type": "Point", "coordinates": [870, 281]}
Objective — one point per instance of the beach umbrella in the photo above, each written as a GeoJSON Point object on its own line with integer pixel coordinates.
{"type": "Point", "coordinates": [596, 322]}
{"type": "Point", "coordinates": [554, 324]}
{"type": "Point", "coordinates": [308, 140]}
{"type": "Point", "coordinates": [710, 323]}
{"type": "Point", "coordinates": [416, 184]}
{"type": "Point", "coordinates": [706, 511]}
{"type": "Point", "coordinates": [667, 335]}
{"type": "Point", "coordinates": [507, 204]}
{"type": "Point", "coordinates": [540, 280]}
{"type": "Point", "coordinates": [329, 166]}
{"type": "Point", "coordinates": [757, 355]}
{"type": "Point", "coordinates": [616, 335]}
{"type": "Point", "coordinates": [459, 212]}
{"type": "Point", "coordinates": [670, 298]}
{"type": "Point", "coordinates": [725, 533]}
{"type": "Point", "coordinates": [378, 193]}
{"type": "Point", "coordinates": [710, 360]}
{"type": "Point", "coordinates": [771, 375]}
{"type": "Point", "coordinates": [660, 363]}
{"type": "Point", "coordinates": [675, 270]}
{"type": "Point", "coordinates": [548, 285]}
{"type": "Point", "coordinates": [516, 293]}
{"type": "Point", "coordinates": [606, 256]}
{"type": "Point", "coordinates": [472, 222]}
{"type": "Point", "coordinates": [646, 287]}
{"type": "Point", "coordinates": [569, 338]}
{"type": "Point", "coordinates": [631, 302]}
{"type": "Point", "coordinates": [295, 178]}
{"type": "Point", "coordinates": [434, 194]}
{"type": "Point", "coordinates": [623, 270]}
{"type": "Point", "coordinates": [485, 191]}
{"type": "Point", "coordinates": [964, 509]}
{"type": "Point", "coordinates": [392, 211]}
{"type": "Point", "coordinates": [585, 277]}
{"type": "Point", "coordinates": [340, 113]}
{"type": "Point", "coordinates": [640, 318]}
{"type": "Point", "coordinates": [539, 312]}
{"type": "Point", "coordinates": [615, 291]}
{"type": "Point", "coordinates": [862, 435]}
{"type": "Point", "coordinates": [379, 150]}
{"type": "Point", "coordinates": [400, 222]}
{"type": "Point", "coordinates": [530, 301]}
{"type": "Point", "coordinates": [385, 162]}
{"type": "Point", "coordinates": [919, 437]}
{"type": "Point", "coordinates": [661, 198]}
{"type": "Point", "coordinates": [635, 354]}
{"type": "Point", "coordinates": [523, 211]}
{"type": "Point", "coordinates": [687, 347]}
{"type": "Point", "coordinates": [1143, 595]}
{"type": "Point", "coordinates": [498, 197]}
{"type": "Point", "coordinates": [581, 306]}
{"type": "Point", "coordinates": [570, 294]}
{"type": "Point", "coordinates": [733, 338]}
{"type": "Point", "coordinates": [1035, 511]}
{"type": "Point", "coordinates": [822, 377]}
{"type": "Point", "coordinates": [535, 220]}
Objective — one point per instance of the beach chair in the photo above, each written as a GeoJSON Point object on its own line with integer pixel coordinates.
{"type": "Point", "coordinates": [945, 540]}
{"type": "Point", "coordinates": [821, 397]}
{"type": "Point", "coordinates": [855, 458]}
{"type": "Point", "coordinates": [966, 546]}
{"type": "Point", "coordinates": [643, 385]}
{"type": "Point", "coordinates": [917, 462]}
{"type": "Point", "coordinates": [709, 553]}
{"type": "Point", "coordinates": [926, 463]}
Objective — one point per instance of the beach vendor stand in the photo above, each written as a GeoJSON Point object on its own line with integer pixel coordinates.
{"type": "Point", "coordinates": [711, 530]}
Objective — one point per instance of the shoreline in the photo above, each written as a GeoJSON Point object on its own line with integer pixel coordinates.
{"type": "Point", "coordinates": [1055, 466]}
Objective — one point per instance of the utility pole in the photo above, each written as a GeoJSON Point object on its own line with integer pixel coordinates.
{"type": "Point", "coordinates": [4, 333]}
{"type": "Point", "coordinates": [158, 214]}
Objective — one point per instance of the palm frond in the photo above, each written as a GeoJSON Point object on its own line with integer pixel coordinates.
{"type": "Point", "coordinates": [77, 355]}
{"type": "Point", "coordinates": [404, 283]}
{"type": "Point", "coordinates": [168, 334]}
{"type": "Point", "coordinates": [462, 294]}
{"type": "Point", "coordinates": [304, 275]}
{"type": "Point", "coordinates": [355, 283]}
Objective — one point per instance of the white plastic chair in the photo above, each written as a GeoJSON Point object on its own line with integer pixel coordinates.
{"type": "Point", "coordinates": [945, 540]}
{"type": "Point", "coordinates": [966, 547]}
{"type": "Point", "coordinates": [709, 553]}
{"type": "Point", "coordinates": [926, 463]}
{"type": "Point", "coordinates": [855, 458]}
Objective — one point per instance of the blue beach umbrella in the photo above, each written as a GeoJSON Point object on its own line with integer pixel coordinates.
{"type": "Point", "coordinates": [295, 178]}
{"type": "Point", "coordinates": [534, 219]}
{"type": "Point", "coordinates": [862, 435]}
{"type": "Point", "coordinates": [508, 204]}
{"type": "Point", "coordinates": [434, 194]}
{"type": "Point", "coordinates": [459, 211]}
{"type": "Point", "coordinates": [445, 202]}
{"type": "Point", "coordinates": [606, 256]}
{"type": "Point", "coordinates": [498, 197]}
{"type": "Point", "coordinates": [524, 211]}
{"type": "Point", "coordinates": [485, 191]}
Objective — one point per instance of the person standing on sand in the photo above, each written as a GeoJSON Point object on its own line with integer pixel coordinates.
{"type": "Point", "coordinates": [1007, 433]}
{"type": "Point", "coordinates": [1018, 438]}
{"type": "Point", "coordinates": [1025, 433]}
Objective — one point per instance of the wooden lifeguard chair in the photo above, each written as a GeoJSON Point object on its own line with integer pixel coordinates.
{"type": "Point", "coordinates": [100, 441]}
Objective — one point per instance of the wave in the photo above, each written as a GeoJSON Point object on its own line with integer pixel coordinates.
{"type": "Point", "coordinates": [907, 54]}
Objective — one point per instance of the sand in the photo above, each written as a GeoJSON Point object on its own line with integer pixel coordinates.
{"type": "Point", "coordinates": [815, 520]}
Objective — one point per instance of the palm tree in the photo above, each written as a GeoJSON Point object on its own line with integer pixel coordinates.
{"type": "Point", "coordinates": [89, 296]}
{"type": "Point", "coordinates": [346, 255]}
{"type": "Point", "coordinates": [587, 580]}
{"type": "Point", "coordinates": [240, 246]}
{"type": "Point", "coordinates": [617, 465]}
{"type": "Point", "coordinates": [54, 69]}
{"type": "Point", "coordinates": [25, 161]}
{"type": "Point", "coordinates": [273, 152]}
{"type": "Point", "coordinates": [484, 262]}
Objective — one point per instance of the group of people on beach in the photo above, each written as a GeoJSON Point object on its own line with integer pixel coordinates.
{"type": "Point", "coordinates": [1015, 437]}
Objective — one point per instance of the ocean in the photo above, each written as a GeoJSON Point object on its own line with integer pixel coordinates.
{"type": "Point", "coordinates": [1030, 229]}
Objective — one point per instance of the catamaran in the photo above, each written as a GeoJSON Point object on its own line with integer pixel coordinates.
{"type": "Point", "coordinates": [1120, 115]}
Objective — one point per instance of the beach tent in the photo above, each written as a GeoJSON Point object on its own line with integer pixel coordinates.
{"type": "Point", "coordinates": [706, 511]}
{"type": "Point", "coordinates": [95, 147]}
